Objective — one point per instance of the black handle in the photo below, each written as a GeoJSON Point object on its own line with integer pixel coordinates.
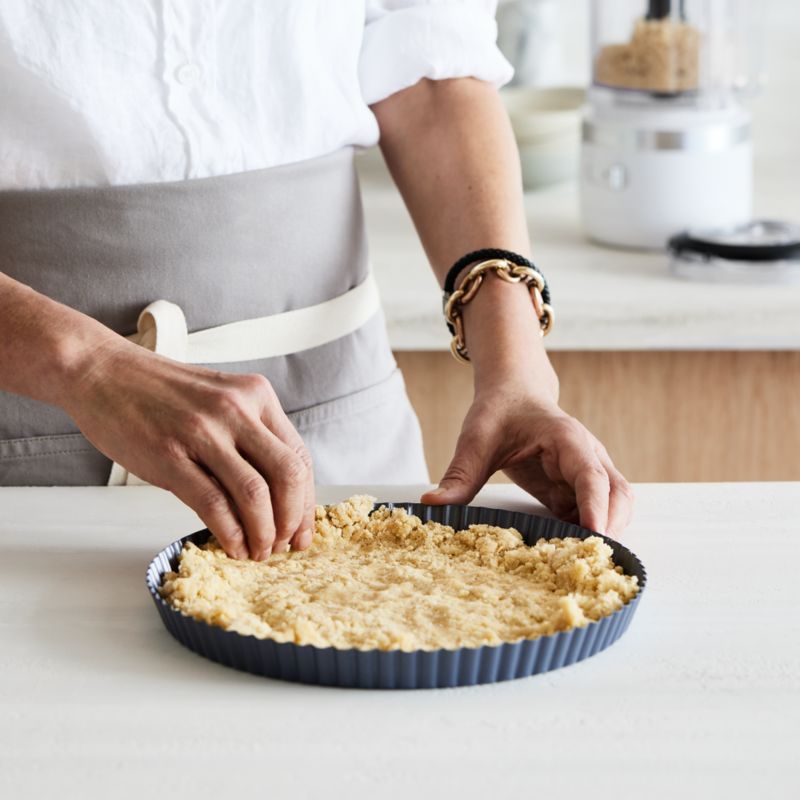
{"type": "Point", "coordinates": [659, 9]}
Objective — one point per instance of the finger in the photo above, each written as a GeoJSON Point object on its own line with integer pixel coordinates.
{"type": "Point", "coordinates": [302, 540]}
{"type": "Point", "coordinates": [556, 495]}
{"type": "Point", "coordinates": [302, 537]}
{"type": "Point", "coordinates": [277, 421]}
{"type": "Point", "coordinates": [580, 467]}
{"type": "Point", "coordinates": [250, 494]}
{"type": "Point", "coordinates": [592, 488]}
{"type": "Point", "coordinates": [286, 475]}
{"type": "Point", "coordinates": [620, 501]}
{"type": "Point", "coordinates": [469, 470]}
{"type": "Point", "coordinates": [192, 485]}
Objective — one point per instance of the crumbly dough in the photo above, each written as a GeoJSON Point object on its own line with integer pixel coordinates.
{"type": "Point", "coordinates": [662, 56]}
{"type": "Point", "coordinates": [389, 581]}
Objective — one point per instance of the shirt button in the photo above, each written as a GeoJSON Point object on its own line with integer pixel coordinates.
{"type": "Point", "coordinates": [188, 74]}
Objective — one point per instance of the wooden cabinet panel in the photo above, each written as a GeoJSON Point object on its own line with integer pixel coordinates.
{"type": "Point", "coordinates": [664, 416]}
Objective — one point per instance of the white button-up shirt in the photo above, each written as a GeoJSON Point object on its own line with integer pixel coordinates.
{"type": "Point", "coordinates": [94, 92]}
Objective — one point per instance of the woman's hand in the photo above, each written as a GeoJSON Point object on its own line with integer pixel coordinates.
{"type": "Point", "coordinates": [220, 442]}
{"type": "Point", "coordinates": [458, 132]}
{"type": "Point", "coordinates": [544, 451]}
{"type": "Point", "coordinates": [516, 425]}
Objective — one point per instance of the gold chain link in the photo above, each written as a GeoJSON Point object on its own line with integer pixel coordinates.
{"type": "Point", "coordinates": [468, 288]}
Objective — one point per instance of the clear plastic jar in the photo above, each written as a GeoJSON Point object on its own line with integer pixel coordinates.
{"type": "Point", "coordinates": [703, 48]}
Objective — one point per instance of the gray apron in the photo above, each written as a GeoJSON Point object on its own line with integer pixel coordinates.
{"type": "Point", "coordinates": [224, 249]}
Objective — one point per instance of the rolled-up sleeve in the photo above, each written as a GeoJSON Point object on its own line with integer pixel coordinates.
{"type": "Point", "coordinates": [407, 40]}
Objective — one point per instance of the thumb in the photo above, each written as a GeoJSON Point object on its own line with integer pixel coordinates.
{"type": "Point", "coordinates": [468, 472]}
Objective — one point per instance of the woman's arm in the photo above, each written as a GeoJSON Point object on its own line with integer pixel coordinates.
{"type": "Point", "coordinates": [220, 442]}
{"type": "Point", "coordinates": [451, 151]}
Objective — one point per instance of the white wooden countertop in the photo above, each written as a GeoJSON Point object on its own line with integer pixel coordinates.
{"type": "Point", "coordinates": [700, 698]}
{"type": "Point", "coordinates": [605, 299]}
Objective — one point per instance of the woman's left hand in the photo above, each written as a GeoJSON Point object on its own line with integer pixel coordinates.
{"type": "Point", "coordinates": [476, 201]}
{"type": "Point", "coordinates": [544, 451]}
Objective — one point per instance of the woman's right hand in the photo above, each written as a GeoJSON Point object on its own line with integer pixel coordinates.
{"type": "Point", "coordinates": [218, 441]}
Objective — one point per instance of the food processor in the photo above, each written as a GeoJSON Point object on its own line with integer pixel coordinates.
{"type": "Point", "coordinates": [666, 142]}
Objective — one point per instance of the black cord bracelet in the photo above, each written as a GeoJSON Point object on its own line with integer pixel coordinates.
{"type": "Point", "coordinates": [484, 255]}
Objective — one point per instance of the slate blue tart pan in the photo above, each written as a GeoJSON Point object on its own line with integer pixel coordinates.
{"type": "Point", "coordinates": [394, 669]}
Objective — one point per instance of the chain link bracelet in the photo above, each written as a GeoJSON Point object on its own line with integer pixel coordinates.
{"type": "Point", "coordinates": [468, 287]}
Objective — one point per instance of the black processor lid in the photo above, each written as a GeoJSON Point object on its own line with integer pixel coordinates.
{"type": "Point", "coordinates": [759, 240]}
{"type": "Point", "coordinates": [761, 251]}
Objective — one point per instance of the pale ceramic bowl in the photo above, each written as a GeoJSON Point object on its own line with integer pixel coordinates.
{"type": "Point", "coordinates": [546, 162]}
{"type": "Point", "coordinates": [547, 124]}
{"type": "Point", "coordinates": [543, 113]}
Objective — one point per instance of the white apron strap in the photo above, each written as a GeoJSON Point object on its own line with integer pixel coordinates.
{"type": "Point", "coordinates": [288, 332]}
{"type": "Point", "coordinates": [162, 329]}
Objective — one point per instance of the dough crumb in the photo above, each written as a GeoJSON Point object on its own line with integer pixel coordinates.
{"type": "Point", "coordinates": [385, 580]}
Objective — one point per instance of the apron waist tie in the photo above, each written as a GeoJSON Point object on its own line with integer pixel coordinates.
{"type": "Point", "coordinates": [162, 328]}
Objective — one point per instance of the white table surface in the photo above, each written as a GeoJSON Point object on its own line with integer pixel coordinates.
{"type": "Point", "coordinates": [700, 698]}
{"type": "Point", "coordinates": [604, 298]}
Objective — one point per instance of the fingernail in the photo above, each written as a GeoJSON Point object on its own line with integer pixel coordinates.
{"type": "Point", "coordinates": [280, 547]}
{"type": "Point", "coordinates": [437, 492]}
{"type": "Point", "coordinates": [306, 537]}
{"type": "Point", "coordinates": [300, 541]}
